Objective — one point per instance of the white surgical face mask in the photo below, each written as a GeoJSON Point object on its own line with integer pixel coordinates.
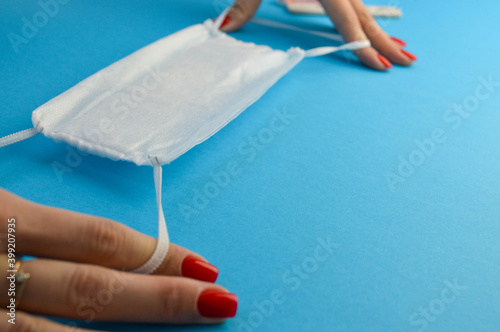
{"type": "Point", "coordinates": [157, 103]}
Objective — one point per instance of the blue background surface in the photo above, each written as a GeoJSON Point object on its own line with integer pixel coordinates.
{"type": "Point", "coordinates": [324, 177]}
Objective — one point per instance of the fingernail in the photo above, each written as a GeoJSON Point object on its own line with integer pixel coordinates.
{"type": "Point", "coordinates": [226, 21]}
{"type": "Point", "coordinates": [217, 304]}
{"type": "Point", "coordinates": [195, 268]}
{"type": "Point", "coordinates": [399, 41]}
{"type": "Point", "coordinates": [409, 55]}
{"type": "Point", "coordinates": [384, 60]}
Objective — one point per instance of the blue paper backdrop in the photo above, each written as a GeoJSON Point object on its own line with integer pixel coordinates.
{"type": "Point", "coordinates": [396, 174]}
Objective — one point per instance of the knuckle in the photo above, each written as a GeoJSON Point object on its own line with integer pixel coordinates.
{"type": "Point", "coordinates": [240, 6]}
{"type": "Point", "coordinates": [23, 324]}
{"type": "Point", "coordinates": [8, 204]}
{"type": "Point", "coordinates": [241, 9]}
{"type": "Point", "coordinates": [368, 22]}
{"type": "Point", "coordinates": [3, 205]}
{"type": "Point", "coordinates": [104, 238]}
{"type": "Point", "coordinates": [81, 285]}
{"type": "Point", "coordinates": [350, 28]}
{"type": "Point", "coordinates": [365, 16]}
{"type": "Point", "coordinates": [172, 303]}
{"type": "Point", "coordinates": [348, 22]}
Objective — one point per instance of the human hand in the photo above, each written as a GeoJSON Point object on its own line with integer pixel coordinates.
{"type": "Point", "coordinates": [352, 20]}
{"type": "Point", "coordinates": [81, 272]}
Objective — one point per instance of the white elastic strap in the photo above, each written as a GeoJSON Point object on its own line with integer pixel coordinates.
{"type": "Point", "coordinates": [279, 25]}
{"type": "Point", "coordinates": [355, 45]}
{"type": "Point", "coordinates": [163, 241]}
{"type": "Point", "coordinates": [17, 137]}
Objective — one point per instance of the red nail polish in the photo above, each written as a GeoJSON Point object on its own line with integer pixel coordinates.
{"type": "Point", "coordinates": [226, 21]}
{"type": "Point", "coordinates": [195, 268]}
{"type": "Point", "coordinates": [399, 41]}
{"type": "Point", "coordinates": [217, 304]}
{"type": "Point", "coordinates": [384, 60]}
{"type": "Point", "coordinates": [409, 55]}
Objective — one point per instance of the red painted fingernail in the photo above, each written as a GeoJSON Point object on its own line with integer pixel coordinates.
{"type": "Point", "coordinates": [195, 268]}
{"type": "Point", "coordinates": [226, 21]}
{"type": "Point", "coordinates": [217, 304]}
{"type": "Point", "coordinates": [409, 55]}
{"type": "Point", "coordinates": [399, 41]}
{"type": "Point", "coordinates": [384, 60]}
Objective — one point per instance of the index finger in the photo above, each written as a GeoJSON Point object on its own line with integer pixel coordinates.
{"type": "Point", "coordinates": [61, 234]}
{"type": "Point", "coordinates": [347, 22]}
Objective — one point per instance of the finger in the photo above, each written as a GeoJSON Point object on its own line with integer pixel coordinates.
{"type": "Point", "coordinates": [90, 292]}
{"type": "Point", "coordinates": [398, 41]}
{"type": "Point", "coordinates": [240, 13]}
{"type": "Point", "coordinates": [60, 234]}
{"type": "Point", "coordinates": [380, 40]}
{"type": "Point", "coordinates": [346, 21]}
{"type": "Point", "coordinates": [26, 323]}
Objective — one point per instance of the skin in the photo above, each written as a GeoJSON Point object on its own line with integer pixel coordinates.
{"type": "Point", "coordinates": [351, 19]}
{"type": "Point", "coordinates": [83, 258]}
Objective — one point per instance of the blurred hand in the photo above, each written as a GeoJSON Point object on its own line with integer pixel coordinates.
{"type": "Point", "coordinates": [352, 20]}
{"type": "Point", "coordinates": [81, 273]}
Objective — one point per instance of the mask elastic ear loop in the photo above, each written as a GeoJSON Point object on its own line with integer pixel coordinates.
{"type": "Point", "coordinates": [355, 45]}
{"type": "Point", "coordinates": [163, 243]}
{"type": "Point", "coordinates": [17, 137]}
{"type": "Point", "coordinates": [280, 25]}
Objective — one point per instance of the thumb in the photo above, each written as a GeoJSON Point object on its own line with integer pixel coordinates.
{"type": "Point", "coordinates": [240, 13]}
